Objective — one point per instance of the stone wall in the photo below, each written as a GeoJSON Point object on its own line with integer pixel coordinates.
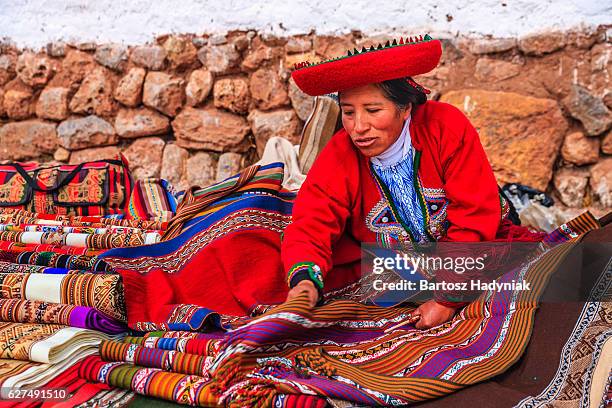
{"type": "Point", "coordinates": [194, 109]}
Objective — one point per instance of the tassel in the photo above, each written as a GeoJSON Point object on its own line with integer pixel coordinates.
{"type": "Point", "coordinates": [420, 38]}
{"type": "Point", "coordinates": [372, 48]}
{"type": "Point", "coordinates": [349, 53]}
{"type": "Point", "coordinates": [355, 51]}
{"type": "Point", "coordinates": [387, 44]}
{"type": "Point", "coordinates": [394, 43]}
{"type": "Point", "coordinates": [364, 49]}
{"type": "Point", "coordinates": [380, 47]}
{"type": "Point", "coordinates": [401, 41]}
{"type": "Point", "coordinates": [427, 37]}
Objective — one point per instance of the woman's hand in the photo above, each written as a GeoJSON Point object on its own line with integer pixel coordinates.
{"type": "Point", "coordinates": [432, 314]}
{"type": "Point", "coordinates": [305, 286]}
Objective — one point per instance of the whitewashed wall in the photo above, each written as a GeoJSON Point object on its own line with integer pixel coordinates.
{"type": "Point", "coordinates": [34, 23]}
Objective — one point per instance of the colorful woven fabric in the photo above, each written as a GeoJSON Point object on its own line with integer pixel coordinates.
{"type": "Point", "coordinates": [103, 292]}
{"type": "Point", "coordinates": [64, 229]}
{"type": "Point", "coordinates": [177, 284]}
{"type": "Point", "coordinates": [95, 241]}
{"type": "Point", "coordinates": [150, 200]}
{"type": "Point", "coordinates": [55, 260]}
{"type": "Point", "coordinates": [181, 388]}
{"type": "Point", "coordinates": [59, 249]}
{"type": "Point", "coordinates": [29, 311]}
{"type": "Point", "coordinates": [168, 360]}
{"type": "Point", "coordinates": [12, 216]}
{"type": "Point", "coordinates": [45, 343]}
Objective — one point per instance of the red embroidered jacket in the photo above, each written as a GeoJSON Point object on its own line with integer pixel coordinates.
{"type": "Point", "coordinates": [341, 204]}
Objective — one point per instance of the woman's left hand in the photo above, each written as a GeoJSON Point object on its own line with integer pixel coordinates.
{"type": "Point", "coordinates": [432, 314]}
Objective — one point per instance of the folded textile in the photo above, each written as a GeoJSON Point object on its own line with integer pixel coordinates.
{"type": "Point", "coordinates": [151, 200]}
{"type": "Point", "coordinates": [95, 241]}
{"type": "Point", "coordinates": [168, 360]}
{"type": "Point", "coordinates": [56, 260]}
{"type": "Point", "coordinates": [101, 291]}
{"type": "Point", "coordinates": [30, 311]}
{"type": "Point", "coordinates": [46, 343]}
{"type": "Point", "coordinates": [191, 345]}
{"type": "Point", "coordinates": [12, 216]}
{"type": "Point", "coordinates": [177, 284]}
{"type": "Point", "coordinates": [64, 229]}
{"type": "Point", "coordinates": [58, 249]}
{"type": "Point", "coordinates": [181, 388]}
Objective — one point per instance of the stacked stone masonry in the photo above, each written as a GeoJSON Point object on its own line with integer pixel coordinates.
{"type": "Point", "coordinates": [196, 108]}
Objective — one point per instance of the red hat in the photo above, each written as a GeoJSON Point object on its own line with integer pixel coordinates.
{"type": "Point", "coordinates": [394, 60]}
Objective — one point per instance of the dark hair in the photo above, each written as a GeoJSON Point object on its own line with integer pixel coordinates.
{"type": "Point", "coordinates": [401, 93]}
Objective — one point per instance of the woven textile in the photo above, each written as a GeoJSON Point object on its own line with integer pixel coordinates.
{"type": "Point", "coordinates": [55, 260]}
{"type": "Point", "coordinates": [103, 292]}
{"type": "Point", "coordinates": [177, 284]}
{"type": "Point", "coordinates": [28, 311]}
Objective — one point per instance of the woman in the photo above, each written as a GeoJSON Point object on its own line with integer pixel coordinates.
{"type": "Point", "coordinates": [402, 169]}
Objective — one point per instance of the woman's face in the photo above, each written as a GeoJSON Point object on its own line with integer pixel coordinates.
{"type": "Point", "coordinates": [373, 121]}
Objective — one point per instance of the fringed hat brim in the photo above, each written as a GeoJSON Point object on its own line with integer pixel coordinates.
{"type": "Point", "coordinates": [368, 66]}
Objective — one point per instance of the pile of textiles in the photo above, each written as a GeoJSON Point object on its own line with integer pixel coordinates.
{"type": "Point", "coordinates": [59, 301]}
{"type": "Point", "coordinates": [146, 320]}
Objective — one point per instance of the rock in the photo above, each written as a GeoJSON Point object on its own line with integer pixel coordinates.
{"type": "Point", "coordinates": [541, 43]}
{"type": "Point", "coordinates": [34, 70]}
{"type": "Point", "coordinates": [163, 92]}
{"type": "Point", "coordinates": [601, 183]}
{"type": "Point", "coordinates": [229, 164]}
{"type": "Point", "coordinates": [75, 67]}
{"type": "Point", "coordinates": [149, 56]}
{"type": "Point", "coordinates": [2, 111]}
{"type": "Point", "coordinates": [491, 70]}
{"type": "Point", "coordinates": [131, 123]}
{"type": "Point", "coordinates": [96, 153]}
{"type": "Point", "coordinates": [61, 155]}
{"type": "Point", "coordinates": [332, 47]}
{"type": "Point", "coordinates": [180, 52]}
{"type": "Point", "coordinates": [56, 49]}
{"type": "Point", "coordinates": [583, 39]}
{"type": "Point", "coordinates": [199, 42]}
{"type": "Point", "coordinates": [210, 129]}
{"type": "Point", "coordinates": [241, 42]}
{"type": "Point", "coordinates": [199, 86]}
{"type": "Point", "coordinates": [292, 59]}
{"type": "Point", "coordinates": [217, 39]}
{"type": "Point", "coordinates": [129, 88]}
{"type": "Point", "coordinates": [95, 95]}
{"type": "Point", "coordinates": [145, 157]}
{"type": "Point", "coordinates": [606, 143]}
{"type": "Point", "coordinates": [53, 103]}
{"type": "Point", "coordinates": [18, 100]}
{"type": "Point", "coordinates": [491, 46]}
{"type": "Point", "coordinates": [86, 46]}
{"type": "Point", "coordinates": [173, 168]}
{"type": "Point", "coordinates": [570, 185]}
{"type": "Point", "coordinates": [301, 102]}
{"type": "Point", "coordinates": [579, 149]}
{"type": "Point", "coordinates": [200, 170]}
{"type": "Point", "coordinates": [589, 110]}
{"type": "Point", "coordinates": [268, 90]}
{"type": "Point", "coordinates": [113, 56]}
{"type": "Point", "coordinates": [258, 56]}
{"type": "Point", "coordinates": [232, 94]}
{"type": "Point", "coordinates": [282, 123]}
{"type": "Point", "coordinates": [296, 45]}
{"type": "Point", "coordinates": [601, 70]}
{"type": "Point", "coordinates": [7, 68]}
{"type": "Point", "coordinates": [520, 134]}
{"type": "Point", "coordinates": [220, 59]}
{"type": "Point", "coordinates": [90, 131]}
{"type": "Point", "coordinates": [27, 139]}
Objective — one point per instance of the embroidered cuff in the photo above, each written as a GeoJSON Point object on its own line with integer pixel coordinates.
{"type": "Point", "coordinates": [305, 270]}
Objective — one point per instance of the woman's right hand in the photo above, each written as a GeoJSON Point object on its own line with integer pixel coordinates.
{"type": "Point", "coordinates": [305, 286]}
